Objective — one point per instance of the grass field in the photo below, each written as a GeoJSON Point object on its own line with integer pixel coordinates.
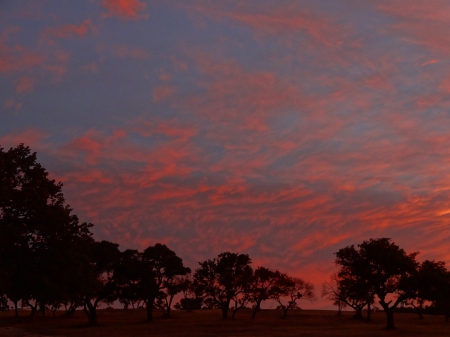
{"type": "Point", "coordinates": [114, 323]}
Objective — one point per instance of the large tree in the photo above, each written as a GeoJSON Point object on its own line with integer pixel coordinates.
{"type": "Point", "coordinates": [223, 278]}
{"type": "Point", "coordinates": [38, 231]}
{"type": "Point", "coordinates": [383, 268]}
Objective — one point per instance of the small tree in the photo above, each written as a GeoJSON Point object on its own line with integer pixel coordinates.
{"type": "Point", "coordinates": [159, 269]}
{"type": "Point", "coordinates": [429, 282]}
{"type": "Point", "coordinates": [99, 284]}
{"type": "Point", "coordinates": [262, 286]}
{"type": "Point", "coordinates": [331, 291]}
{"type": "Point", "coordinates": [290, 289]}
{"type": "Point", "coordinates": [223, 278]}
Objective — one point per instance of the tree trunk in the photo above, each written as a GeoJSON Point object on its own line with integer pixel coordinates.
{"type": "Point", "coordinates": [16, 309]}
{"type": "Point", "coordinates": [225, 306]}
{"type": "Point", "coordinates": [257, 308]}
{"type": "Point", "coordinates": [419, 312]}
{"type": "Point", "coordinates": [91, 312]}
{"type": "Point", "coordinates": [390, 319]}
{"type": "Point", "coordinates": [33, 308]}
{"type": "Point", "coordinates": [285, 310]}
{"type": "Point", "coordinates": [358, 314]}
{"type": "Point", "coordinates": [368, 312]}
{"type": "Point", "coordinates": [149, 307]}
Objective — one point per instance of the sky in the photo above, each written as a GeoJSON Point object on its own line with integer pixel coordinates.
{"type": "Point", "coordinates": [282, 129]}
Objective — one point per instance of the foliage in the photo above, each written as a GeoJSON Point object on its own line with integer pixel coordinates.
{"type": "Point", "coordinates": [381, 268]}
{"type": "Point", "coordinates": [223, 278]}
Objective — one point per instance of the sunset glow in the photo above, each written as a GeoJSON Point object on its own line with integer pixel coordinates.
{"type": "Point", "coordinates": [285, 130]}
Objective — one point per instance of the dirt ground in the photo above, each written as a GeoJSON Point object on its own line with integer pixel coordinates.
{"type": "Point", "coordinates": [114, 323]}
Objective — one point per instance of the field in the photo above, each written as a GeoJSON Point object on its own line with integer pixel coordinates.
{"type": "Point", "coordinates": [208, 323]}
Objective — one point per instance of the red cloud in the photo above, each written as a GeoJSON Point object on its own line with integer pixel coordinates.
{"type": "Point", "coordinates": [17, 58]}
{"type": "Point", "coordinates": [25, 84]}
{"type": "Point", "coordinates": [277, 19]}
{"type": "Point", "coordinates": [162, 93]}
{"type": "Point", "coordinates": [124, 51]}
{"type": "Point", "coordinates": [424, 23]}
{"type": "Point", "coordinates": [128, 9]}
{"type": "Point", "coordinates": [69, 30]}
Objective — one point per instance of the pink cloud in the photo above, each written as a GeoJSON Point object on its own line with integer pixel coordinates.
{"type": "Point", "coordinates": [32, 137]}
{"type": "Point", "coordinates": [127, 9]}
{"type": "Point", "coordinates": [25, 84]}
{"type": "Point", "coordinates": [162, 93]}
{"type": "Point", "coordinates": [17, 58]}
{"type": "Point", "coordinates": [279, 19]}
{"type": "Point", "coordinates": [69, 30]}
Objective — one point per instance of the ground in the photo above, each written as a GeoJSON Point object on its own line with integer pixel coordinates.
{"type": "Point", "coordinates": [114, 323]}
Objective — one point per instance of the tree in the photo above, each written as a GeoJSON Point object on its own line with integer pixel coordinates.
{"type": "Point", "coordinates": [290, 289]}
{"type": "Point", "coordinates": [99, 285]}
{"type": "Point", "coordinates": [262, 286]}
{"type": "Point", "coordinates": [126, 278]}
{"type": "Point", "coordinates": [223, 278]}
{"type": "Point", "coordinates": [189, 302]}
{"type": "Point", "coordinates": [159, 268]}
{"type": "Point", "coordinates": [384, 268]}
{"type": "Point", "coordinates": [38, 232]}
{"type": "Point", "coordinates": [331, 291]}
{"type": "Point", "coordinates": [429, 283]}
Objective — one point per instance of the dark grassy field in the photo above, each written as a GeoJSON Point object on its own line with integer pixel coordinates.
{"type": "Point", "coordinates": [208, 323]}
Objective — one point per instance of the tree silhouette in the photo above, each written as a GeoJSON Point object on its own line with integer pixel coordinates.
{"type": "Point", "coordinates": [99, 284]}
{"type": "Point", "coordinates": [262, 286]}
{"type": "Point", "coordinates": [288, 290]}
{"type": "Point", "coordinates": [429, 283]}
{"type": "Point", "coordinates": [126, 277]}
{"type": "Point", "coordinates": [382, 267]}
{"type": "Point", "coordinates": [332, 292]}
{"type": "Point", "coordinates": [223, 278]}
{"type": "Point", "coordinates": [38, 232]}
{"type": "Point", "coordinates": [160, 267]}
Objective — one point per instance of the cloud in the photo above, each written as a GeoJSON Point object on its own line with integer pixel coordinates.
{"type": "Point", "coordinates": [124, 51]}
{"type": "Point", "coordinates": [25, 84]}
{"type": "Point", "coordinates": [69, 30]}
{"type": "Point", "coordinates": [281, 19]}
{"type": "Point", "coordinates": [17, 58]}
{"type": "Point", "coordinates": [162, 93]}
{"type": "Point", "coordinates": [421, 23]}
{"type": "Point", "coordinates": [127, 9]}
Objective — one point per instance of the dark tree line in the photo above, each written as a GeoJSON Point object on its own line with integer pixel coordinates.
{"type": "Point", "coordinates": [379, 271]}
{"type": "Point", "coordinates": [49, 260]}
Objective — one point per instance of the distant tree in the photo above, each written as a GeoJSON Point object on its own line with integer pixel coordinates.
{"type": "Point", "coordinates": [99, 285]}
{"type": "Point", "coordinates": [429, 281]}
{"type": "Point", "coordinates": [290, 289]}
{"type": "Point", "coordinates": [189, 304]}
{"type": "Point", "coordinates": [190, 301]}
{"type": "Point", "coordinates": [223, 278]}
{"type": "Point", "coordinates": [171, 287]}
{"type": "Point", "coordinates": [262, 286]}
{"type": "Point", "coordinates": [332, 292]}
{"type": "Point", "coordinates": [126, 278]}
{"type": "Point", "coordinates": [382, 266]}
{"type": "Point", "coordinates": [160, 268]}
{"type": "Point", "coordinates": [349, 287]}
